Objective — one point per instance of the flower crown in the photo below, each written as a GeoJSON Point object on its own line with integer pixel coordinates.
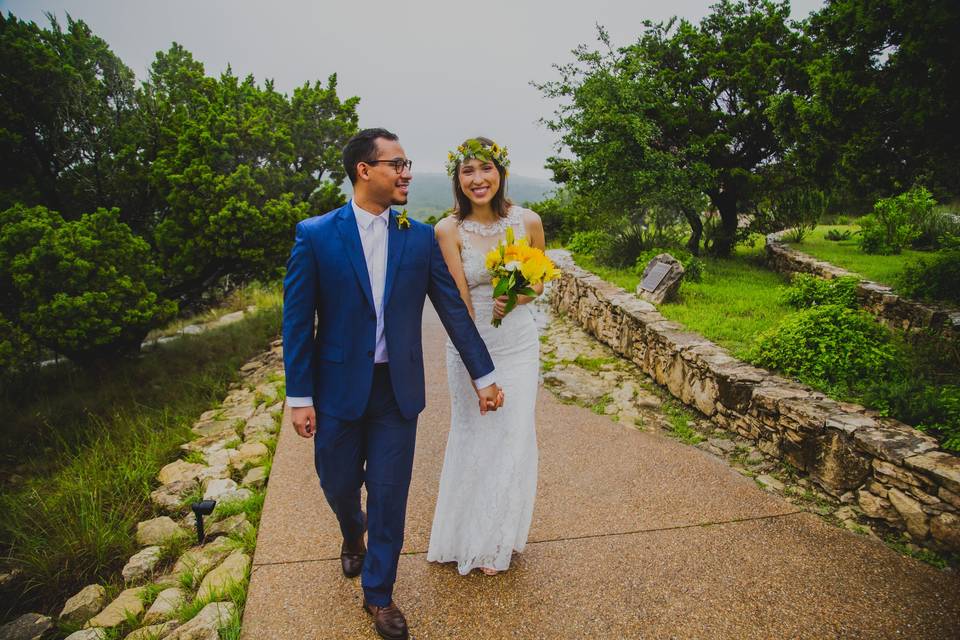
{"type": "Point", "coordinates": [473, 148]}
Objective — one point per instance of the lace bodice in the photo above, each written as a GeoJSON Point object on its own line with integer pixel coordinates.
{"type": "Point", "coordinates": [476, 240]}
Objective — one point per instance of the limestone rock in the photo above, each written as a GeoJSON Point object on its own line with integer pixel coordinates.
{"type": "Point", "coordinates": [255, 478]}
{"type": "Point", "coordinates": [171, 496]}
{"type": "Point", "coordinates": [722, 444]}
{"type": "Point", "coordinates": [252, 453]}
{"type": "Point", "coordinates": [874, 506]}
{"type": "Point", "coordinates": [232, 571]}
{"type": "Point", "coordinates": [154, 631]}
{"type": "Point", "coordinates": [167, 602]}
{"type": "Point", "coordinates": [232, 525]}
{"type": "Point", "coordinates": [668, 287]}
{"type": "Point", "coordinates": [269, 391]}
{"type": "Point", "coordinates": [769, 482]}
{"type": "Point", "coordinates": [179, 470]}
{"type": "Point", "coordinates": [224, 490]}
{"type": "Point", "coordinates": [206, 624]}
{"type": "Point", "coordinates": [943, 466]}
{"type": "Point", "coordinates": [141, 564]}
{"type": "Point", "coordinates": [129, 602]}
{"type": "Point", "coordinates": [946, 529]}
{"type": "Point", "coordinates": [208, 444]}
{"type": "Point", "coordinates": [260, 426]}
{"type": "Point", "coordinates": [911, 512]}
{"type": "Point", "coordinates": [29, 626]}
{"type": "Point", "coordinates": [96, 633]}
{"type": "Point", "coordinates": [201, 559]}
{"type": "Point", "coordinates": [9, 577]}
{"type": "Point", "coordinates": [87, 603]}
{"type": "Point", "coordinates": [581, 384]}
{"type": "Point", "coordinates": [218, 428]}
{"type": "Point", "coordinates": [158, 531]}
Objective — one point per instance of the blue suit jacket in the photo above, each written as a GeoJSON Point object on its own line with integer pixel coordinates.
{"type": "Point", "coordinates": [327, 278]}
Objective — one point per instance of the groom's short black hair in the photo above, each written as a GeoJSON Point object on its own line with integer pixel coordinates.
{"type": "Point", "coordinates": [363, 148]}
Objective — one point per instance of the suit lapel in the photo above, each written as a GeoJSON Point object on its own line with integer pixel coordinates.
{"type": "Point", "coordinates": [396, 241]}
{"type": "Point", "coordinates": [347, 226]}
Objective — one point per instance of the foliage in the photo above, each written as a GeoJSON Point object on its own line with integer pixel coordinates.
{"type": "Point", "coordinates": [827, 346]}
{"type": "Point", "coordinates": [915, 400]}
{"type": "Point", "coordinates": [680, 113]}
{"type": "Point", "coordinates": [807, 290]}
{"type": "Point", "coordinates": [878, 115]}
{"type": "Point", "coordinates": [693, 266]}
{"type": "Point", "coordinates": [90, 448]}
{"type": "Point", "coordinates": [936, 278]}
{"type": "Point", "coordinates": [896, 221]}
{"type": "Point", "coordinates": [85, 288]}
{"type": "Point", "coordinates": [847, 254]}
{"type": "Point", "coordinates": [836, 235]}
{"type": "Point", "coordinates": [563, 214]}
{"type": "Point", "coordinates": [152, 195]}
{"type": "Point", "coordinates": [588, 242]}
{"type": "Point", "coordinates": [798, 208]}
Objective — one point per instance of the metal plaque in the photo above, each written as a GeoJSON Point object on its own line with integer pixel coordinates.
{"type": "Point", "coordinates": [655, 276]}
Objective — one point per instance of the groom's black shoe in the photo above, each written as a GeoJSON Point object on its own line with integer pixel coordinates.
{"type": "Point", "coordinates": [352, 554]}
{"type": "Point", "coordinates": [388, 620]}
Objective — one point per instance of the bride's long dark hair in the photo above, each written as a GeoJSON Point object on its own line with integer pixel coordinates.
{"type": "Point", "coordinates": [462, 206]}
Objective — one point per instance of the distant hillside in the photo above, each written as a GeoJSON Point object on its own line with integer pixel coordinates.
{"type": "Point", "coordinates": [432, 193]}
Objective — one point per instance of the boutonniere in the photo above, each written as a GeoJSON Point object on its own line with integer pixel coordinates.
{"type": "Point", "coordinates": [403, 222]}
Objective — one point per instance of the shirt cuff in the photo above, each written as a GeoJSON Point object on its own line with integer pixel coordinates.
{"type": "Point", "coordinates": [299, 401]}
{"type": "Point", "coordinates": [486, 380]}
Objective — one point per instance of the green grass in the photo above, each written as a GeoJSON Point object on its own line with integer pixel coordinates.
{"type": "Point", "coordinates": [679, 419]}
{"type": "Point", "coordinates": [847, 254]}
{"type": "Point", "coordinates": [89, 449]}
{"type": "Point", "coordinates": [737, 299]}
{"type": "Point", "coordinates": [923, 555]}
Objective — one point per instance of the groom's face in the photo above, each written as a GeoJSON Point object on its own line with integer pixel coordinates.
{"type": "Point", "coordinates": [386, 185]}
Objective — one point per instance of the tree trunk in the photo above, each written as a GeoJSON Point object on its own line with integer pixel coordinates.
{"type": "Point", "coordinates": [696, 230]}
{"type": "Point", "coordinates": [726, 204]}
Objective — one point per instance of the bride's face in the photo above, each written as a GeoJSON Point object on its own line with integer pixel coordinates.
{"type": "Point", "coordinates": [479, 180]}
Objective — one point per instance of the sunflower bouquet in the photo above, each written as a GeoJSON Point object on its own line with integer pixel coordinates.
{"type": "Point", "coordinates": [514, 268]}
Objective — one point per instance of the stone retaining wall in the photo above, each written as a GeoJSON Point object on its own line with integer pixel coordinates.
{"type": "Point", "coordinates": [894, 472]}
{"type": "Point", "coordinates": [891, 309]}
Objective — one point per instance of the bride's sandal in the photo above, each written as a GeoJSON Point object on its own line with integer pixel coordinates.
{"type": "Point", "coordinates": [487, 571]}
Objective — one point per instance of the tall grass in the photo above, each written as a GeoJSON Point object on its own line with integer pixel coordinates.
{"type": "Point", "coordinates": [89, 449]}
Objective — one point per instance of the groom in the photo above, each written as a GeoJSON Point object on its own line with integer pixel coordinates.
{"type": "Point", "coordinates": [353, 304]}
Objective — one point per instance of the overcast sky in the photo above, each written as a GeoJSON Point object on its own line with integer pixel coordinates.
{"type": "Point", "coordinates": [433, 71]}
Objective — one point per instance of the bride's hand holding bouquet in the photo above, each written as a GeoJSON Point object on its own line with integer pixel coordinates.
{"type": "Point", "coordinates": [515, 269]}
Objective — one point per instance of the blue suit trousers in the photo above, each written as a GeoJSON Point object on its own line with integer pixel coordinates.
{"type": "Point", "coordinates": [376, 449]}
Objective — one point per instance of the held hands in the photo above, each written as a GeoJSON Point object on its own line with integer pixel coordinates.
{"type": "Point", "coordinates": [491, 398]}
{"type": "Point", "coordinates": [500, 305]}
{"type": "Point", "coordinates": [304, 421]}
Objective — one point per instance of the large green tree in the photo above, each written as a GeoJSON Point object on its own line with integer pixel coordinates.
{"type": "Point", "coordinates": [682, 112]}
{"type": "Point", "coordinates": [884, 92]}
{"type": "Point", "coordinates": [120, 202]}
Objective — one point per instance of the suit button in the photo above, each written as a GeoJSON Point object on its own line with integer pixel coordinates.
{"type": "Point", "coordinates": [369, 354]}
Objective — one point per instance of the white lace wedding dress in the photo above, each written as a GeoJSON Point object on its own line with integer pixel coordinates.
{"type": "Point", "coordinates": [489, 477]}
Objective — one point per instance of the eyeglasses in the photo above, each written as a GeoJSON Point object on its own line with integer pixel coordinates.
{"type": "Point", "coordinates": [399, 164]}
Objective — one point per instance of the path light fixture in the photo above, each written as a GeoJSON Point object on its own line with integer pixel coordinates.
{"type": "Point", "coordinates": [200, 509]}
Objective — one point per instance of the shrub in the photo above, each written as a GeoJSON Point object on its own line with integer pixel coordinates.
{"type": "Point", "coordinates": [588, 242]}
{"type": "Point", "coordinates": [842, 220]}
{"type": "Point", "coordinates": [936, 278]}
{"type": "Point", "coordinates": [835, 235]}
{"type": "Point", "coordinates": [624, 246]}
{"type": "Point", "coordinates": [828, 346]}
{"type": "Point", "coordinates": [693, 267]}
{"type": "Point", "coordinates": [86, 288]}
{"type": "Point", "coordinates": [915, 401]}
{"type": "Point", "coordinates": [897, 221]}
{"type": "Point", "coordinates": [807, 290]}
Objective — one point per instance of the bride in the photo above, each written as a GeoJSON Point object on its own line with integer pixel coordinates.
{"type": "Point", "coordinates": [489, 477]}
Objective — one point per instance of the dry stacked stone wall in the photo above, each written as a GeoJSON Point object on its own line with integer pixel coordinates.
{"type": "Point", "coordinates": [894, 472]}
{"type": "Point", "coordinates": [891, 309]}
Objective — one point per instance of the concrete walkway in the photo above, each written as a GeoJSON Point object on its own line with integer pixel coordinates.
{"type": "Point", "coordinates": [634, 535]}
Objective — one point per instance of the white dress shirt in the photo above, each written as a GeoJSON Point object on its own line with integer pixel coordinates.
{"type": "Point", "coordinates": [373, 231]}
